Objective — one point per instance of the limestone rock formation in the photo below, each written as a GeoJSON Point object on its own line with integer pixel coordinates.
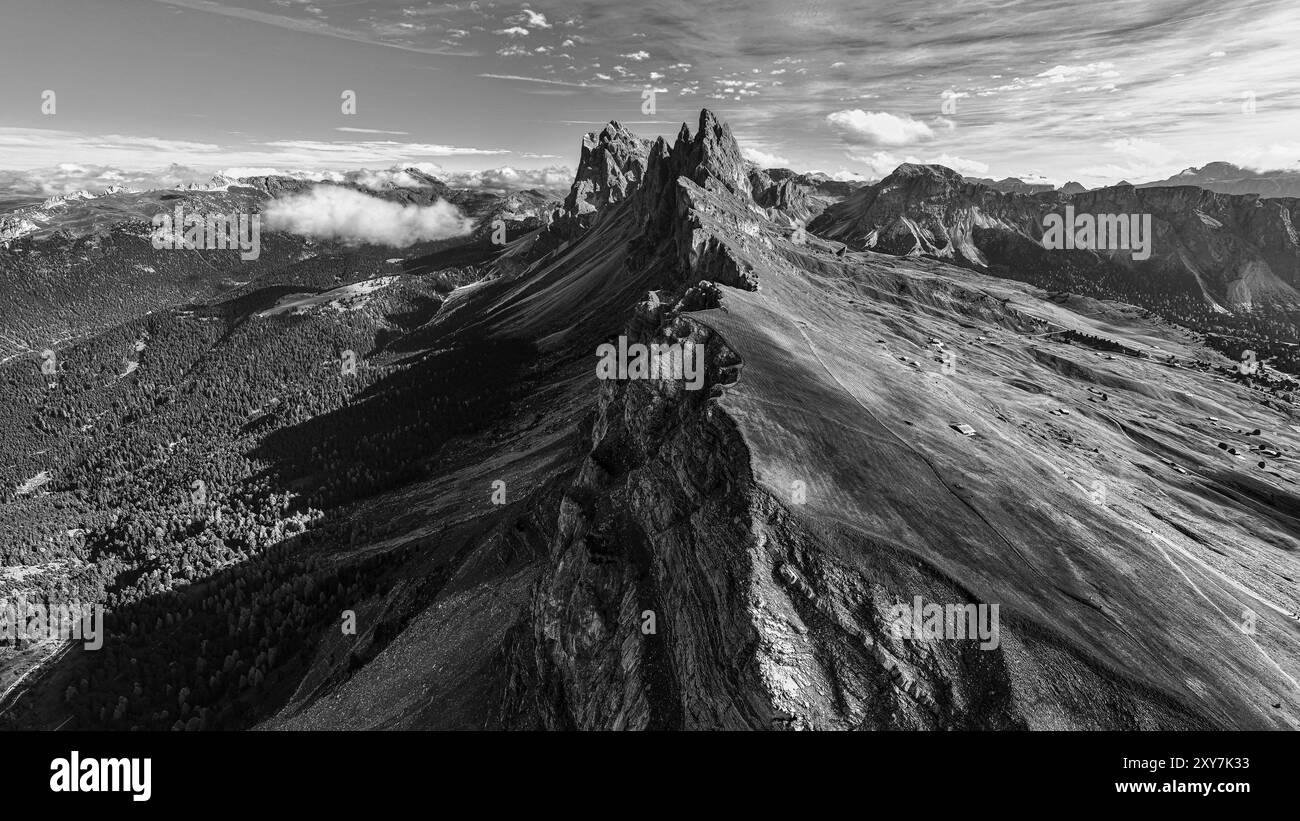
{"type": "Point", "coordinates": [1237, 251]}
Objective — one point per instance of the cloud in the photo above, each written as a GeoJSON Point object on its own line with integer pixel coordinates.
{"type": "Point", "coordinates": [45, 147]}
{"type": "Point", "coordinates": [1141, 160]}
{"type": "Point", "coordinates": [1272, 157]}
{"type": "Point", "coordinates": [513, 31]}
{"type": "Point", "coordinates": [1063, 74]}
{"type": "Point", "coordinates": [37, 148]}
{"type": "Point", "coordinates": [353, 152]}
{"type": "Point", "coordinates": [1136, 148]}
{"type": "Point", "coordinates": [762, 158]}
{"type": "Point", "coordinates": [878, 164]}
{"type": "Point", "coordinates": [241, 171]}
{"type": "Point", "coordinates": [844, 175]}
{"type": "Point", "coordinates": [523, 79]}
{"type": "Point", "coordinates": [385, 180]}
{"type": "Point", "coordinates": [505, 178]}
{"type": "Point", "coordinates": [877, 128]}
{"type": "Point", "coordinates": [371, 131]}
{"type": "Point", "coordinates": [529, 18]}
{"type": "Point", "coordinates": [637, 56]}
{"type": "Point", "coordinates": [963, 166]}
{"type": "Point", "coordinates": [330, 212]}
{"type": "Point", "coordinates": [67, 178]}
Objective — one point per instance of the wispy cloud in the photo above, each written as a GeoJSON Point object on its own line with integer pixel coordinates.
{"type": "Point", "coordinates": [371, 131]}
{"type": "Point", "coordinates": [760, 154]}
{"type": "Point", "coordinates": [505, 178]}
{"type": "Point", "coordinates": [878, 127]}
{"type": "Point", "coordinates": [533, 80]}
{"type": "Point", "coordinates": [45, 148]}
{"type": "Point", "coordinates": [529, 18]}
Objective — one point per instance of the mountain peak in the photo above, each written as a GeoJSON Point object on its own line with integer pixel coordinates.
{"type": "Point", "coordinates": [713, 154]}
{"type": "Point", "coordinates": [928, 177]}
{"type": "Point", "coordinates": [911, 170]}
{"type": "Point", "coordinates": [612, 163]}
{"type": "Point", "coordinates": [615, 131]}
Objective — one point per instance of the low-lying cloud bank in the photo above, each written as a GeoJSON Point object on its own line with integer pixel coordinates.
{"type": "Point", "coordinates": [505, 179]}
{"type": "Point", "coordinates": [330, 212]}
{"type": "Point", "coordinates": [68, 178]}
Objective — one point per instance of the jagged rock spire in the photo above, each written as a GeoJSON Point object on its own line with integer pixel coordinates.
{"type": "Point", "coordinates": [712, 154]}
{"type": "Point", "coordinates": [612, 165]}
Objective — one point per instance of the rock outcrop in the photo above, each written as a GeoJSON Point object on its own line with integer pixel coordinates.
{"type": "Point", "coordinates": [610, 168]}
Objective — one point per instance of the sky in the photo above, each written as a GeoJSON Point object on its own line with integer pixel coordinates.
{"type": "Point", "coordinates": [493, 94]}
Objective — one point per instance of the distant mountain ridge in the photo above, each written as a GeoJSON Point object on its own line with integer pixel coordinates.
{"type": "Point", "coordinates": [1226, 178]}
{"type": "Point", "coordinates": [1012, 185]}
{"type": "Point", "coordinates": [1237, 251]}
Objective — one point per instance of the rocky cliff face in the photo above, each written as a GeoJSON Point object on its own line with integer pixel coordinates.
{"type": "Point", "coordinates": [15, 227]}
{"type": "Point", "coordinates": [1242, 250]}
{"type": "Point", "coordinates": [610, 167]}
{"type": "Point", "coordinates": [1238, 251]}
{"type": "Point", "coordinates": [927, 210]}
{"type": "Point", "coordinates": [798, 198]}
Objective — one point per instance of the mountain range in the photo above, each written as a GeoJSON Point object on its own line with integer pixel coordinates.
{"type": "Point", "coordinates": [1231, 251]}
{"type": "Point", "coordinates": [1226, 178]}
{"type": "Point", "coordinates": [892, 411]}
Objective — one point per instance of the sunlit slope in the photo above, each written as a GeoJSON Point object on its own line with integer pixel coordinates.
{"type": "Point", "coordinates": [1116, 573]}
